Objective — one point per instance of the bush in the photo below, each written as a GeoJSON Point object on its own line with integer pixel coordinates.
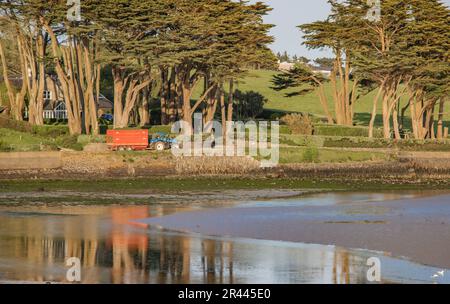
{"type": "Point", "coordinates": [339, 130]}
{"type": "Point", "coordinates": [298, 123]}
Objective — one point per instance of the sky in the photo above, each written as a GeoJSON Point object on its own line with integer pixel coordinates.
{"type": "Point", "coordinates": [287, 14]}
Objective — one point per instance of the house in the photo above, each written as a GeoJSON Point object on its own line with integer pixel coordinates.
{"type": "Point", "coordinates": [56, 109]}
{"type": "Point", "coordinates": [285, 66]}
{"type": "Point", "coordinates": [321, 70]}
{"type": "Point", "coordinates": [55, 106]}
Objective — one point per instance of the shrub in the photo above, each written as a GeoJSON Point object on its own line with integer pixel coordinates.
{"type": "Point", "coordinates": [298, 123]}
{"type": "Point", "coordinates": [339, 130]}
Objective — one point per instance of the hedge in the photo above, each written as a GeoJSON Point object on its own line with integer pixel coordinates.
{"type": "Point", "coordinates": [340, 130]}
{"type": "Point", "coordinates": [365, 142]}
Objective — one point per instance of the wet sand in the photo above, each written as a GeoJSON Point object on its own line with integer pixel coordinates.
{"type": "Point", "coordinates": [418, 229]}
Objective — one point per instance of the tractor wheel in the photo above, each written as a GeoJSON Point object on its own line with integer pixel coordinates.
{"type": "Point", "coordinates": [160, 146]}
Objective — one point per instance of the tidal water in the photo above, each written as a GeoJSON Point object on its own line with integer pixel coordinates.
{"type": "Point", "coordinates": [35, 242]}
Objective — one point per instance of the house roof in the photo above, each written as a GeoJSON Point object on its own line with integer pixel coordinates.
{"type": "Point", "coordinates": [51, 106]}
{"type": "Point", "coordinates": [104, 103]}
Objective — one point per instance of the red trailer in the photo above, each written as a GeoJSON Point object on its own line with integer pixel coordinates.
{"type": "Point", "coordinates": [131, 140]}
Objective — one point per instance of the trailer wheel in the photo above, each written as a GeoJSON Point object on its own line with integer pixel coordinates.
{"type": "Point", "coordinates": [121, 148]}
{"type": "Point", "coordinates": [160, 146]}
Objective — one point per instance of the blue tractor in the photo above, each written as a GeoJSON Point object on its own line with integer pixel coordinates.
{"type": "Point", "coordinates": [161, 141]}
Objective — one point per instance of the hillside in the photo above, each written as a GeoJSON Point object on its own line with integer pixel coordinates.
{"type": "Point", "coordinates": [261, 81]}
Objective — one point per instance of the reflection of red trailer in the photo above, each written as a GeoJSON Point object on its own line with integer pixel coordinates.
{"type": "Point", "coordinates": [136, 140]}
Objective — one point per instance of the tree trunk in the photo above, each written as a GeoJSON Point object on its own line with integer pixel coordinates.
{"type": "Point", "coordinates": [230, 101]}
{"type": "Point", "coordinates": [374, 111]}
{"type": "Point", "coordinates": [144, 109]}
{"type": "Point", "coordinates": [164, 94]}
{"type": "Point", "coordinates": [395, 123]}
{"type": "Point", "coordinates": [119, 87]}
{"type": "Point", "coordinates": [16, 100]}
{"type": "Point", "coordinates": [223, 113]}
{"type": "Point", "coordinates": [440, 124]}
{"type": "Point", "coordinates": [386, 118]}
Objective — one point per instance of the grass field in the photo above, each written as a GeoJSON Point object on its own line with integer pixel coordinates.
{"type": "Point", "coordinates": [261, 81]}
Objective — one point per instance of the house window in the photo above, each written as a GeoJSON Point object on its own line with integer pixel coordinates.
{"type": "Point", "coordinates": [47, 95]}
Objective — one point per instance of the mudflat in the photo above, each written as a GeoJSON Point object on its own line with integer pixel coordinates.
{"type": "Point", "coordinates": [416, 228]}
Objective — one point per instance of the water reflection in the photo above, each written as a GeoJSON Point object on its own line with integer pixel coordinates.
{"type": "Point", "coordinates": [35, 242]}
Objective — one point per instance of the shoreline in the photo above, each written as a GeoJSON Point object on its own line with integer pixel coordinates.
{"type": "Point", "coordinates": [407, 169]}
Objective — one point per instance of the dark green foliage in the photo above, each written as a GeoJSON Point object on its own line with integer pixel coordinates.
{"type": "Point", "coordinates": [302, 77]}
{"type": "Point", "coordinates": [249, 105]}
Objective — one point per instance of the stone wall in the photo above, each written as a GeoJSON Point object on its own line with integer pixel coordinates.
{"type": "Point", "coordinates": [30, 160]}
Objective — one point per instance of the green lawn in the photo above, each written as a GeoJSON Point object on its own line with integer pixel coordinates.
{"type": "Point", "coordinates": [320, 155]}
{"type": "Point", "coordinates": [11, 140]}
{"type": "Point", "coordinates": [15, 141]}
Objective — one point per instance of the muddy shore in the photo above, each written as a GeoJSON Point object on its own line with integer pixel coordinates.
{"type": "Point", "coordinates": [418, 228]}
